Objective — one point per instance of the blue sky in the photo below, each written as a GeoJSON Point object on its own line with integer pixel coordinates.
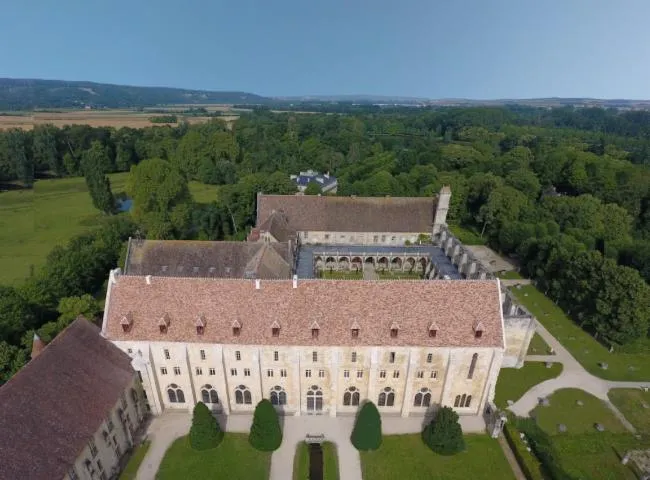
{"type": "Point", "coordinates": [428, 48]}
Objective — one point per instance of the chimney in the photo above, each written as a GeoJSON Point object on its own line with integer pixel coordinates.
{"type": "Point", "coordinates": [295, 281]}
{"type": "Point", "coordinates": [148, 278]}
{"type": "Point", "coordinates": [37, 346]}
{"type": "Point", "coordinates": [258, 284]}
{"type": "Point", "coordinates": [114, 275]}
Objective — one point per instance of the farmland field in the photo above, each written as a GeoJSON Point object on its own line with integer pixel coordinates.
{"type": "Point", "coordinates": [32, 222]}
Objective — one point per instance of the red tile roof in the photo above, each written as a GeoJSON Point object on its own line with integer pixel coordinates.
{"type": "Point", "coordinates": [455, 307]}
{"type": "Point", "coordinates": [54, 405]}
{"type": "Point", "coordinates": [350, 214]}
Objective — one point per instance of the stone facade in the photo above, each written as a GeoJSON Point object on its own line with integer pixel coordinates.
{"type": "Point", "coordinates": [399, 373]}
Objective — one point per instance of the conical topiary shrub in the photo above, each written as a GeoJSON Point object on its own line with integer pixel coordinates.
{"type": "Point", "coordinates": [205, 431]}
{"type": "Point", "coordinates": [366, 434]}
{"type": "Point", "coordinates": [443, 434]}
{"type": "Point", "coordinates": [266, 434]}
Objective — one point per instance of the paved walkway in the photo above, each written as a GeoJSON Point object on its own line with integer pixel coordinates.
{"type": "Point", "coordinates": [507, 451]}
{"type": "Point", "coordinates": [369, 273]}
{"type": "Point", "coordinates": [573, 376]}
{"type": "Point", "coordinates": [511, 282]}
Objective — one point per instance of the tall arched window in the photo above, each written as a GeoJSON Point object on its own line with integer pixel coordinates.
{"type": "Point", "coordinates": [314, 398]}
{"type": "Point", "coordinates": [468, 400]}
{"type": "Point", "coordinates": [175, 394]}
{"type": "Point", "coordinates": [243, 395]}
{"type": "Point", "coordinates": [422, 398]}
{"type": "Point", "coordinates": [463, 401]}
{"type": "Point", "coordinates": [278, 396]}
{"type": "Point", "coordinates": [209, 394]}
{"type": "Point", "coordinates": [351, 397]}
{"type": "Point", "coordinates": [386, 398]}
{"type": "Point", "coordinates": [472, 366]}
{"type": "Point", "coordinates": [457, 401]}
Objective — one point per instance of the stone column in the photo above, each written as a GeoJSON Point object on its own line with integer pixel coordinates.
{"type": "Point", "coordinates": [295, 371]}
{"type": "Point", "coordinates": [190, 376]}
{"type": "Point", "coordinates": [225, 396]}
{"type": "Point", "coordinates": [447, 385]}
{"type": "Point", "coordinates": [373, 375]}
{"type": "Point", "coordinates": [410, 374]}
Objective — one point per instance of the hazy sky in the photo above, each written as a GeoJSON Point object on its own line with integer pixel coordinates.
{"type": "Point", "coordinates": [428, 48]}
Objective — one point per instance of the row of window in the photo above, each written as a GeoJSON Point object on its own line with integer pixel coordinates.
{"type": "Point", "coordinates": [278, 396]}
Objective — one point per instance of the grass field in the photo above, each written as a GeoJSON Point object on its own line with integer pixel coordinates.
{"type": "Point", "coordinates": [32, 222]}
{"type": "Point", "coordinates": [137, 456]}
{"type": "Point", "coordinates": [514, 382]}
{"type": "Point", "coordinates": [233, 459]}
{"type": "Point", "coordinates": [634, 404]}
{"type": "Point", "coordinates": [466, 236]}
{"type": "Point", "coordinates": [585, 349]}
{"type": "Point", "coordinates": [94, 118]}
{"type": "Point", "coordinates": [407, 457]}
{"type": "Point", "coordinates": [510, 275]}
{"type": "Point", "coordinates": [399, 275]}
{"type": "Point", "coordinates": [538, 346]}
{"type": "Point", "coordinates": [330, 462]}
{"type": "Point", "coordinates": [342, 275]}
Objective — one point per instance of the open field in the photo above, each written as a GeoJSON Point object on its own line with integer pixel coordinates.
{"type": "Point", "coordinates": [514, 382]}
{"type": "Point", "coordinates": [233, 459]}
{"type": "Point", "coordinates": [585, 349]}
{"type": "Point", "coordinates": [407, 457]}
{"type": "Point", "coordinates": [94, 118]}
{"type": "Point", "coordinates": [32, 222]}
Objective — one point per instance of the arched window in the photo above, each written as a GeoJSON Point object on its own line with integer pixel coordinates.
{"type": "Point", "coordinates": [243, 395]}
{"type": "Point", "coordinates": [351, 397]}
{"type": "Point", "coordinates": [314, 398]}
{"type": "Point", "coordinates": [278, 396]}
{"type": "Point", "coordinates": [472, 366]}
{"type": "Point", "coordinates": [422, 398]}
{"type": "Point", "coordinates": [457, 401]}
{"type": "Point", "coordinates": [209, 394]}
{"type": "Point", "coordinates": [463, 401]}
{"type": "Point", "coordinates": [175, 394]}
{"type": "Point", "coordinates": [386, 398]}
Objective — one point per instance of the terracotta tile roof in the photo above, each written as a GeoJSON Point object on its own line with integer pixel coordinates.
{"type": "Point", "coordinates": [184, 258]}
{"type": "Point", "coordinates": [53, 405]}
{"type": "Point", "coordinates": [350, 214]}
{"type": "Point", "coordinates": [277, 225]}
{"type": "Point", "coordinates": [455, 306]}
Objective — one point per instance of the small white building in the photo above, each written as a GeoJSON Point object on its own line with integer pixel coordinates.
{"type": "Point", "coordinates": [326, 182]}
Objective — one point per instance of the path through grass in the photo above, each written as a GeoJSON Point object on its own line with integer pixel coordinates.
{"type": "Point", "coordinates": [514, 382]}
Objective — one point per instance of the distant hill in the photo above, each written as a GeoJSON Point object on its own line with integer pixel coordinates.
{"type": "Point", "coordinates": [26, 94]}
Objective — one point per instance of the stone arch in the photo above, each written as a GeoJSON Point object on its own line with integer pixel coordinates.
{"type": "Point", "coordinates": [383, 262]}
{"type": "Point", "coordinates": [396, 263]}
{"type": "Point", "coordinates": [356, 263]}
{"type": "Point", "coordinates": [410, 263]}
{"type": "Point", "coordinates": [344, 263]}
{"type": "Point", "coordinates": [370, 260]}
{"type": "Point", "coordinates": [318, 262]}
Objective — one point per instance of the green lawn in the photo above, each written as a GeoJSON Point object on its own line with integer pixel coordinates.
{"type": "Point", "coordinates": [585, 349]}
{"type": "Point", "coordinates": [630, 402]}
{"type": "Point", "coordinates": [233, 459]}
{"type": "Point", "coordinates": [578, 419]}
{"type": "Point", "coordinates": [407, 457]}
{"type": "Point", "coordinates": [399, 275]}
{"type": "Point", "coordinates": [330, 462]}
{"type": "Point", "coordinates": [137, 456]}
{"type": "Point", "coordinates": [510, 275]}
{"type": "Point", "coordinates": [466, 236]}
{"type": "Point", "coordinates": [514, 382]}
{"type": "Point", "coordinates": [538, 346]}
{"type": "Point", "coordinates": [341, 275]}
{"type": "Point", "coordinates": [32, 222]}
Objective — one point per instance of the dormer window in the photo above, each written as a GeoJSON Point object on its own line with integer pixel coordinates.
{"type": "Point", "coordinates": [126, 321]}
{"type": "Point", "coordinates": [163, 323]}
{"type": "Point", "coordinates": [478, 330]}
{"type": "Point", "coordinates": [315, 328]}
{"type": "Point", "coordinates": [200, 325]}
{"type": "Point", "coordinates": [236, 328]}
{"type": "Point", "coordinates": [394, 330]}
{"type": "Point", "coordinates": [275, 329]}
{"type": "Point", "coordinates": [355, 330]}
{"type": "Point", "coordinates": [433, 330]}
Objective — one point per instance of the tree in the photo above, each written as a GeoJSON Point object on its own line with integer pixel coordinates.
{"type": "Point", "coordinates": [366, 434]}
{"type": "Point", "coordinates": [265, 434]}
{"type": "Point", "coordinates": [443, 434]}
{"type": "Point", "coordinates": [12, 358]}
{"type": "Point", "coordinates": [161, 198]}
{"type": "Point", "coordinates": [45, 151]}
{"type": "Point", "coordinates": [24, 164]}
{"type": "Point", "coordinates": [205, 432]}
{"type": "Point", "coordinates": [71, 307]}
{"type": "Point", "coordinates": [95, 163]}
{"type": "Point", "coordinates": [313, 188]}
{"type": "Point", "coordinates": [16, 314]}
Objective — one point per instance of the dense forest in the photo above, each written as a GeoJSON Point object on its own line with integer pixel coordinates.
{"type": "Point", "coordinates": [566, 191]}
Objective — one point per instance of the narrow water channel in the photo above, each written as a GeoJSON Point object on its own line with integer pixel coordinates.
{"type": "Point", "coordinates": [315, 461]}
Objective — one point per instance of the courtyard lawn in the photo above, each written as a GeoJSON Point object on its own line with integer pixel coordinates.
{"type": "Point", "coordinates": [399, 275]}
{"type": "Point", "coordinates": [137, 456]}
{"type": "Point", "coordinates": [407, 457]}
{"type": "Point", "coordinates": [634, 404]}
{"type": "Point", "coordinates": [510, 275]}
{"type": "Point", "coordinates": [330, 462]}
{"type": "Point", "coordinates": [564, 409]}
{"type": "Point", "coordinates": [466, 236]}
{"type": "Point", "coordinates": [233, 459]}
{"type": "Point", "coordinates": [514, 382]}
{"type": "Point", "coordinates": [340, 275]}
{"type": "Point", "coordinates": [32, 222]}
{"type": "Point", "coordinates": [585, 349]}
{"type": "Point", "coordinates": [538, 346]}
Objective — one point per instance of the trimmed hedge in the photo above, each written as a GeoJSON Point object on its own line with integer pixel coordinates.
{"type": "Point", "coordinates": [526, 460]}
{"type": "Point", "coordinates": [205, 432]}
{"type": "Point", "coordinates": [443, 434]}
{"type": "Point", "coordinates": [366, 434]}
{"type": "Point", "coordinates": [266, 434]}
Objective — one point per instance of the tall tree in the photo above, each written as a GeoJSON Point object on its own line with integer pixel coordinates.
{"type": "Point", "coordinates": [205, 432]}
{"type": "Point", "coordinates": [366, 434]}
{"type": "Point", "coordinates": [95, 164]}
{"type": "Point", "coordinates": [46, 155]}
{"type": "Point", "coordinates": [265, 434]}
{"type": "Point", "coordinates": [443, 434]}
